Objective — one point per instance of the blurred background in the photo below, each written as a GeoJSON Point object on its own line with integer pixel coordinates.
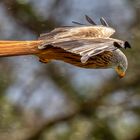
{"type": "Point", "coordinates": [58, 101]}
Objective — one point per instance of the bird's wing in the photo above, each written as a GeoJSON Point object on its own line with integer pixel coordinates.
{"type": "Point", "coordinates": [92, 22]}
{"type": "Point", "coordinates": [86, 48]}
{"type": "Point", "coordinates": [78, 32]}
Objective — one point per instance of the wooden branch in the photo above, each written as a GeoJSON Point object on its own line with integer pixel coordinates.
{"type": "Point", "coordinates": [14, 48]}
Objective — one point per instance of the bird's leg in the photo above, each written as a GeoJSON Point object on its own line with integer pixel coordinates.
{"type": "Point", "coordinates": [44, 60]}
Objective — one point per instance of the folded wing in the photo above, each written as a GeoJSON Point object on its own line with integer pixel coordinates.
{"type": "Point", "coordinates": [78, 32]}
{"type": "Point", "coordinates": [86, 48]}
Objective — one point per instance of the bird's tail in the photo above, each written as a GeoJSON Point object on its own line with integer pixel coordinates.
{"type": "Point", "coordinates": [14, 48]}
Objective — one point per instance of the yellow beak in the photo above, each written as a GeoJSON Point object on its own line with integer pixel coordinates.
{"type": "Point", "coordinates": [120, 73]}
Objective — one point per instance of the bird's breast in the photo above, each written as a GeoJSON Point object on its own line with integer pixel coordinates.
{"type": "Point", "coordinates": [102, 60]}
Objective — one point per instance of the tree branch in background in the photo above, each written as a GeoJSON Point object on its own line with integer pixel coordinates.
{"type": "Point", "coordinates": [25, 16]}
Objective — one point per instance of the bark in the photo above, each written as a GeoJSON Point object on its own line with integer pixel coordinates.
{"type": "Point", "coordinates": [15, 48]}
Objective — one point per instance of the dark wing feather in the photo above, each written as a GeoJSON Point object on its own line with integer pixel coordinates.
{"type": "Point", "coordinates": [86, 48]}
{"type": "Point", "coordinates": [103, 22]}
{"type": "Point", "coordinates": [90, 20]}
{"type": "Point", "coordinates": [78, 23]}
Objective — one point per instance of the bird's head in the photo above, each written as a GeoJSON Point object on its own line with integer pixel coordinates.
{"type": "Point", "coordinates": [121, 64]}
{"type": "Point", "coordinates": [121, 61]}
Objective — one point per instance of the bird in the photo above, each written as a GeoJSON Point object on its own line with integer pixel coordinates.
{"type": "Point", "coordinates": [86, 46]}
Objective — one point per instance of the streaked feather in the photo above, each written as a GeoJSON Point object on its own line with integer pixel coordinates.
{"type": "Point", "coordinates": [84, 31]}
{"type": "Point", "coordinates": [90, 45]}
{"type": "Point", "coordinates": [103, 22]}
{"type": "Point", "coordinates": [78, 32]}
{"type": "Point", "coordinates": [78, 23]}
{"type": "Point", "coordinates": [90, 20]}
{"type": "Point", "coordinates": [86, 48]}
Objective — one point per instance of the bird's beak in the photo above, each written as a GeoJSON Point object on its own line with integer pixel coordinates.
{"type": "Point", "coordinates": [120, 73]}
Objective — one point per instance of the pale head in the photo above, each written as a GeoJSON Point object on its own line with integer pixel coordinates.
{"type": "Point", "coordinates": [120, 63]}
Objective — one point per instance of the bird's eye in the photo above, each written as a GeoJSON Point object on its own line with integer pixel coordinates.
{"type": "Point", "coordinates": [120, 67]}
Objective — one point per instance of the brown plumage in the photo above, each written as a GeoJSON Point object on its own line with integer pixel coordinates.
{"type": "Point", "coordinates": [71, 52]}
{"type": "Point", "coordinates": [87, 46]}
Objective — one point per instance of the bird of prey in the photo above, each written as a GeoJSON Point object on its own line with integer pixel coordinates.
{"type": "Point", "coordinates": [86, 46]}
